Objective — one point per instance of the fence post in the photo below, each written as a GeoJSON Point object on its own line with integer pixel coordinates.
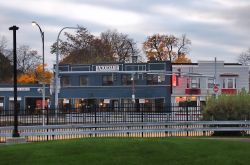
{"type": "Point", "coordinates": [142, 121]}
{"type": "Point", "coordinates": [47, 123]}
{"type": "Point", "coordinates": [95, 117]}
{"type": "Point", "coordinates": [187, 114]}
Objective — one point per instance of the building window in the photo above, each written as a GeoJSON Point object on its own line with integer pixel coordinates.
{"type": "Point", "coordinates": [210, 83]}
{"type": "Point", "coordinates": [107, 80]}
{"type": "Point", "coordinates": [152, 79]}
{"type": "Point", "coordinates": [84, 80]}
{"type": "Point", "coordinates": [127, 79]}
{"type": "Point", "coordinates": [229, 83]}
{"type": "Point", "coordinates": [64, 81]}
{"type": "Point", "coordinates": [193, 82]}
{"type": "Point", "coordinates": [1, 104]}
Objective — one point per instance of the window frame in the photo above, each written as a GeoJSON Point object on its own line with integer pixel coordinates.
{"type": "Point", "coordinates": [80, 80]}
{"type": "Point", "coordinates": [226, 82]}
{"type": "Point", "coordinates": [63, 79]}
{"type": "Point", "coordinates": [191, 81]}
{"type": "Point", "coordinates": [108, 82]}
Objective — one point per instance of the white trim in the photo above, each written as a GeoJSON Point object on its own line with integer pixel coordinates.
{"type": "Point", "coordinates": [12, 98]}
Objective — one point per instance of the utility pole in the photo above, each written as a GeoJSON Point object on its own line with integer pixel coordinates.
{"type": "Point", "coordinates": [215, 75]}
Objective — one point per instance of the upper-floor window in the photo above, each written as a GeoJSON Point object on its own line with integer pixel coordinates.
{"type": "Point", "coordinates": [152, 79]}
{"type": "Point", "coordinates": [210, 83]}
{"type": "Point", "coordinates": [107, 80]}
{"type": "Point", "coordinates": [127, 79]}
{"type": "Point", "coordinates": [193, 82]}
{"type": "Point", "coordinates": [229, 83]}
{"type": "Point", "coordinates": [84, 80]}
{"type": "Point", "coordinates": [65, 81]}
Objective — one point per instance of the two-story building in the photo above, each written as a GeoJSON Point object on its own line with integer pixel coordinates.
{"type": "Point", "coordinates": [196, 81]}
{"type": "Point", "coordinates": [115, 85]}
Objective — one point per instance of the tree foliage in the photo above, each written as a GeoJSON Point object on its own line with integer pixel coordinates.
{"type": "Point", "coordinates": [6, 69]}
{"type": "Point", "coordinates": [27, 59]}
{"type": "Point", "coordinates": [121, 45]}
{"type": "Point", "coordinates": [35, 76]}
{"type": "Point", "coordinates": [182, 59]}
{"type": "Point", "coordinates": [85, 48]}
{"type": "Point", "coordinates": [166, 47]}
{"type": "Point", "coordinates": [3, 44]}
{"type": "Point", "coordinates": [244, 57]}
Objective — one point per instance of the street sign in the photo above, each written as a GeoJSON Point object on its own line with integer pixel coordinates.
{"type": "Point", "coordinates": [216, 89]}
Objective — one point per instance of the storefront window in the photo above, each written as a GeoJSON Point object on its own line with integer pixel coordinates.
{"type": "Point", "coordinates": [1, 104]}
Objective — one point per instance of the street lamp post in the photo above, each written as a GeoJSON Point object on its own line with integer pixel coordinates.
{"type": "Point", "coordinates": [34, 23]}
{"type": "Point", "coordinates": [16, 108]}
{"type": "Point", "coordinates": [57, 67]}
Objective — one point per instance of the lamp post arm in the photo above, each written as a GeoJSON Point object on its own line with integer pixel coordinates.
{"type": "Point", "coordinates": [57, 65]}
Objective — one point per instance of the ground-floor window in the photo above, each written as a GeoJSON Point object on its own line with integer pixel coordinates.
{"type": "Point", "coordinates": [34, 104]}
{"type": "Point", "coordinates": [11, 103]}
{"type": "Point", "coordinates": [186, 101]}
{"type": "Point", "coordinates": [1, 104]}
{"type": "Point", "coordinates": [111, 104]}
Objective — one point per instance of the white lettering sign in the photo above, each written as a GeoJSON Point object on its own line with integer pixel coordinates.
{"type": "Point", "coordinates": [12, 89]}
{"type": "Point", "coordinates": [106, 101]}
{"type": "Point", "coordinates": [107, 68]}
{"type": "Point", "coordinates": [142, 101]}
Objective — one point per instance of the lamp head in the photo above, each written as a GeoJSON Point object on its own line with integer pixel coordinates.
{"type": "Point", "coordinates": [33, 23]}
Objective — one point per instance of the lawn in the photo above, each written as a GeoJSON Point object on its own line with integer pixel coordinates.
{"type": "Point", "coordinates": [125, 151]}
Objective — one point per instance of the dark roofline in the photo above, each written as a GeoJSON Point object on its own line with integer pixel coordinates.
{"type": "Point", "coordinates": [198, 63]}
{"type": "Point", "coordinates": [184, 63]}
{"type": "Point", "coordinates": [232, 64]}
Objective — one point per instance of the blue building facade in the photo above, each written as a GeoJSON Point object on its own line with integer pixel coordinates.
{"type": "Point", "coordinates": [126, 85]}
{"type": "Point", "coordinates": [120, 86]}
{"type": "Point", "coordinates": [29, 97]}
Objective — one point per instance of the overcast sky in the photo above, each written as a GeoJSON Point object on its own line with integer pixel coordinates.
{"type": "Point", "coordinates": [217, 28]}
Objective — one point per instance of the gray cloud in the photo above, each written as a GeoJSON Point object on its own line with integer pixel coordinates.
{"type": "Point", "coordinates": [216, 27]}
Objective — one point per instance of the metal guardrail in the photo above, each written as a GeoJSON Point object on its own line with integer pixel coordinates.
{"type": "Point", "coordinates": [139, 127]}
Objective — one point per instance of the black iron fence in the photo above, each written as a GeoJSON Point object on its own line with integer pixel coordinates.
{"type": "Point", "coordinates": [126, 121]}
{"type": "Point", "coordinates": [96, 114]}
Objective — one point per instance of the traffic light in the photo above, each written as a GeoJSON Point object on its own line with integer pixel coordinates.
{"type": "Point", "coordinates": [179, 72]}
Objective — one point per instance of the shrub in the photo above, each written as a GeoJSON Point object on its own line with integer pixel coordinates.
{"type": "Point", "coordinates": [228, 107]}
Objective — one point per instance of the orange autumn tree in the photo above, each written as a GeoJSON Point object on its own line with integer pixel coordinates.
{"type": "Point", "coordinates": [182, 58]}
{"type": "Point", "coordinates": [35, 76]}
